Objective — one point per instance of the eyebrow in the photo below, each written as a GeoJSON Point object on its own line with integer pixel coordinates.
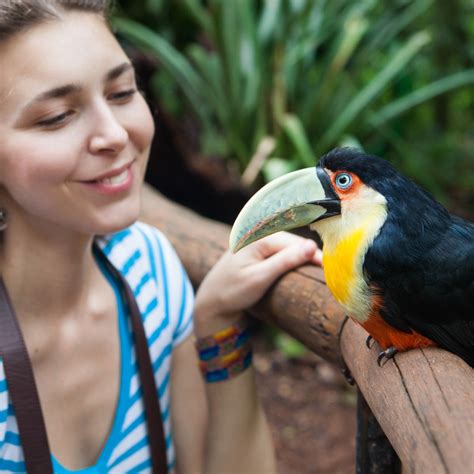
{"type": "Point", "coordinates": [118, 71]}
{"type": "Point", "coordinates": [56, 93]}
{"type": "Point", "coordinates": [68, 89]}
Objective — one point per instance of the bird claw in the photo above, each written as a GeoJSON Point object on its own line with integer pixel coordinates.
{"type": "Point", "coordinates": [347, 375]}
{"type": "Point", "coordinates": [387, 355]}
{"type": "Point", "coordinates": [369, 342]}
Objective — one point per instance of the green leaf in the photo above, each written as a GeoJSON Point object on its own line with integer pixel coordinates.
{"type": "Point", "coordinates": [210, 69]}
{"type": "Point", "coordinates": [396, 23]}
{"type": "Point", "coordinates": [250, 56]}
{"type": "Point", "coordinates": [421, 95]}
{"type": "Point", "coordinates": [154, 7]}
{"type": "Point", "coordinates": [371, 90]}
{"type": "Point", "coordinates": [229, 35]}
{"type": "Point", "coordinates": [289, 346]}
{"type": "Point", "coordinates": [351, 142]}
{"type": "Point", "coordinates": [276, 167]}
{"type": "Point", "coordinates": [199, 13]}
{"type": "Point", "coordinates": [352, 32]}
{"type": "Point", "coordinates": [305, 39]}
{"type": "Point", "coordinates": [269, 20]}
{"type": "Point", "coordinates": [294, 129]}
{"type": "Point", "coordinates": [170, 58]}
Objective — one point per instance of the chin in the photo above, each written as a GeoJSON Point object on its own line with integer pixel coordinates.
{"type": "Point", "coordinates": [116, 220]}
{"type": "Point", "coordinates": [112, 228]}
{"type": "Point", "coordinates": [117, 225]}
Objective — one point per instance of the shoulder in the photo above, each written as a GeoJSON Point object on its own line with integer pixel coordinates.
{"type": "Point", "coordinates": [139, 244]}
{"type": "Point", "coordinates": [149, 263]}
{"type": "Point", "coordinates": [139, 236]}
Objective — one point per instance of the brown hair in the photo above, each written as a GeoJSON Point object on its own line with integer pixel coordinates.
{"type": "Point", "coordinates": [19, 15]}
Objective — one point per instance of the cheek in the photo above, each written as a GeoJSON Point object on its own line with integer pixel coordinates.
{"type": "Point", "coordinates": [33, 162]}
{"type": "Point", "coordinates": [141, 125]}
{"type": "Point", "coordinates": [48, 169]}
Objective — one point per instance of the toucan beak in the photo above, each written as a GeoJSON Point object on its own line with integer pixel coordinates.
{"type": "Point", "coordinates": [294, 200]}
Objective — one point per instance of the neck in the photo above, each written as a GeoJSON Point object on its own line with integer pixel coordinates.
{"type": "Point", "coordinates": [48, 274]}
{"type": "Point", "coordinates": [346, 240]}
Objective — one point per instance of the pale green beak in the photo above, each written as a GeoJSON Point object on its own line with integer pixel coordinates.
{"type": "Point", "coordinates": [294, 200]}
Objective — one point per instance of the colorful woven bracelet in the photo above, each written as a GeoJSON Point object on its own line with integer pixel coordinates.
{"type": "Point", "coordinates": [224, 341]}
{"type": "Point", "coordinates": [229, 372]}
{"type": "Point", "coordinates": [226, 360]}
{"type": "Point", "coordinates": [226, 353]}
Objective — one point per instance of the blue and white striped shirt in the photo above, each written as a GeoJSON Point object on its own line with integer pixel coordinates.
{"type": "Point", "coordinates": [165, 299]}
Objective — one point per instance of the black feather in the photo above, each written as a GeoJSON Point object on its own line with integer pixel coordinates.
{"type": "Point", "coordinates": [422, 260]}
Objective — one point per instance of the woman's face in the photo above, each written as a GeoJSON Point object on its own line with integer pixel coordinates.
{"type": "Point", "coordinates": [74, 132]}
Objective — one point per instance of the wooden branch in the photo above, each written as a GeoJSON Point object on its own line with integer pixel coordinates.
{"type": "Point", "coordinates": [300, 303]}
{"type": "Point", "coordinates": [423, 399]}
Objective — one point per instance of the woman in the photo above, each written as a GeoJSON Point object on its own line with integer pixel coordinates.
{"type": "Point", "coordinates": [74, 142]}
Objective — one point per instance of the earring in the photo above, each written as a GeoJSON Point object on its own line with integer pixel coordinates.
{"type": "Point", "coordinates": [3, 219]}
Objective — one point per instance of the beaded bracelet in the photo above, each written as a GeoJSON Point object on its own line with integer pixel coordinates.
{"type": "Point", "coordinates": [226, 353]}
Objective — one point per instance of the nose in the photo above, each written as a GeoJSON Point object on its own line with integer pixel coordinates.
{"type": "Point", "coordinates": [109, 135]}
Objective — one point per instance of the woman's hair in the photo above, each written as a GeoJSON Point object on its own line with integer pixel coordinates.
{"type": "Point", "coordinates": [19, 15]}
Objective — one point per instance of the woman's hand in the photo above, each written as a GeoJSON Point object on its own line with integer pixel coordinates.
{"type": "Point", "coordinates": [238, 281]}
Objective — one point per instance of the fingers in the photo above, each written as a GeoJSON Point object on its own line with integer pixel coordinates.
{"type": "Point", "coordinates": [238, 280]}
{"type": "Point", "coordinates": [317, 258]}
{"type": "Point", "coordinates": [287, 259]}
{"type": "Point", "coordinates": [275, 243]}
{"type": "Point", "coordinates": [272, 244]}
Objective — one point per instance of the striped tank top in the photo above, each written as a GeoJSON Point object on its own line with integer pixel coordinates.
{"type": "Point", "coordinates": [165, 298]}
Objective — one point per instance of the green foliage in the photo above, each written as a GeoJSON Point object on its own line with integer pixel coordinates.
{"type": "Point", "coordinates": [311, 74]}
{"type": "Point", "coordinates": [287, 345]}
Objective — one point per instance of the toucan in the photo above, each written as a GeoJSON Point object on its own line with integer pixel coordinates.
{"type": "Point", "coordinates": [396, 260]}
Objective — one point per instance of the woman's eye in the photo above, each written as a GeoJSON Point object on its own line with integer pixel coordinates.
{"type": "Point", "coordinates": [122, 96]}
{"type": "Point", "coordinates": [55, 121]}
{"type": "Point", "coordinates": [343, 180]}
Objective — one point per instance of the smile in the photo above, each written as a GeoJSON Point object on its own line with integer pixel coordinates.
{"type": "Point", "coordinates": [117, 181]}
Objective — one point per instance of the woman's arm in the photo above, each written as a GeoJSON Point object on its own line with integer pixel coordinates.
{"type": "Point", "coordinates": [236, 435]}
{"type": "Point", "coordinates": [234, 430]}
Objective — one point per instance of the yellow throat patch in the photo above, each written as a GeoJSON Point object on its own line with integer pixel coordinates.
{"type": "Point", "coordinates": [341, 266]}
{"type": "Point", "coordinates": [346, 241]}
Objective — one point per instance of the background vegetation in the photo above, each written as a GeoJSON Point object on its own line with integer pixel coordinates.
{"type": "Point", "coordinates": [273, 84]}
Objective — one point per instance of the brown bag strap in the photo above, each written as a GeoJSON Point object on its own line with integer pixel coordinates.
{"type": "Point", "coordinates": [156, 436]}
{"type": "Point", "coordinates": [24, 394]}
{"type": "Point", "coordinates": [22, 390]}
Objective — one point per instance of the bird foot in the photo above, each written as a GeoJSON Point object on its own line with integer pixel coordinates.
{"type": "Point", "coordinates": [387, 355]}
{"type": "Point", "coordinates": [347, 375]}
{"type": "Point", "coordinates": [369, 342]}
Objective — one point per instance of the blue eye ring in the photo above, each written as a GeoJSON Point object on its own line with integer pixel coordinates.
{"type": "Point", "coordinates": [343, 181]}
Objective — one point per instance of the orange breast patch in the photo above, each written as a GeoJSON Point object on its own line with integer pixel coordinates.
{"type": "Point", "coordinates": [387, 336]}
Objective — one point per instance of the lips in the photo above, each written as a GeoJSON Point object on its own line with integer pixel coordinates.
{"type": "Point", "coordinates": [112, 177]}
{"type": "Point", "coordinates": [116, 181]}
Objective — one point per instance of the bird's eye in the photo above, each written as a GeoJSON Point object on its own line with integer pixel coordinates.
{"type": "Point", "coordinates": [343, 180]}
